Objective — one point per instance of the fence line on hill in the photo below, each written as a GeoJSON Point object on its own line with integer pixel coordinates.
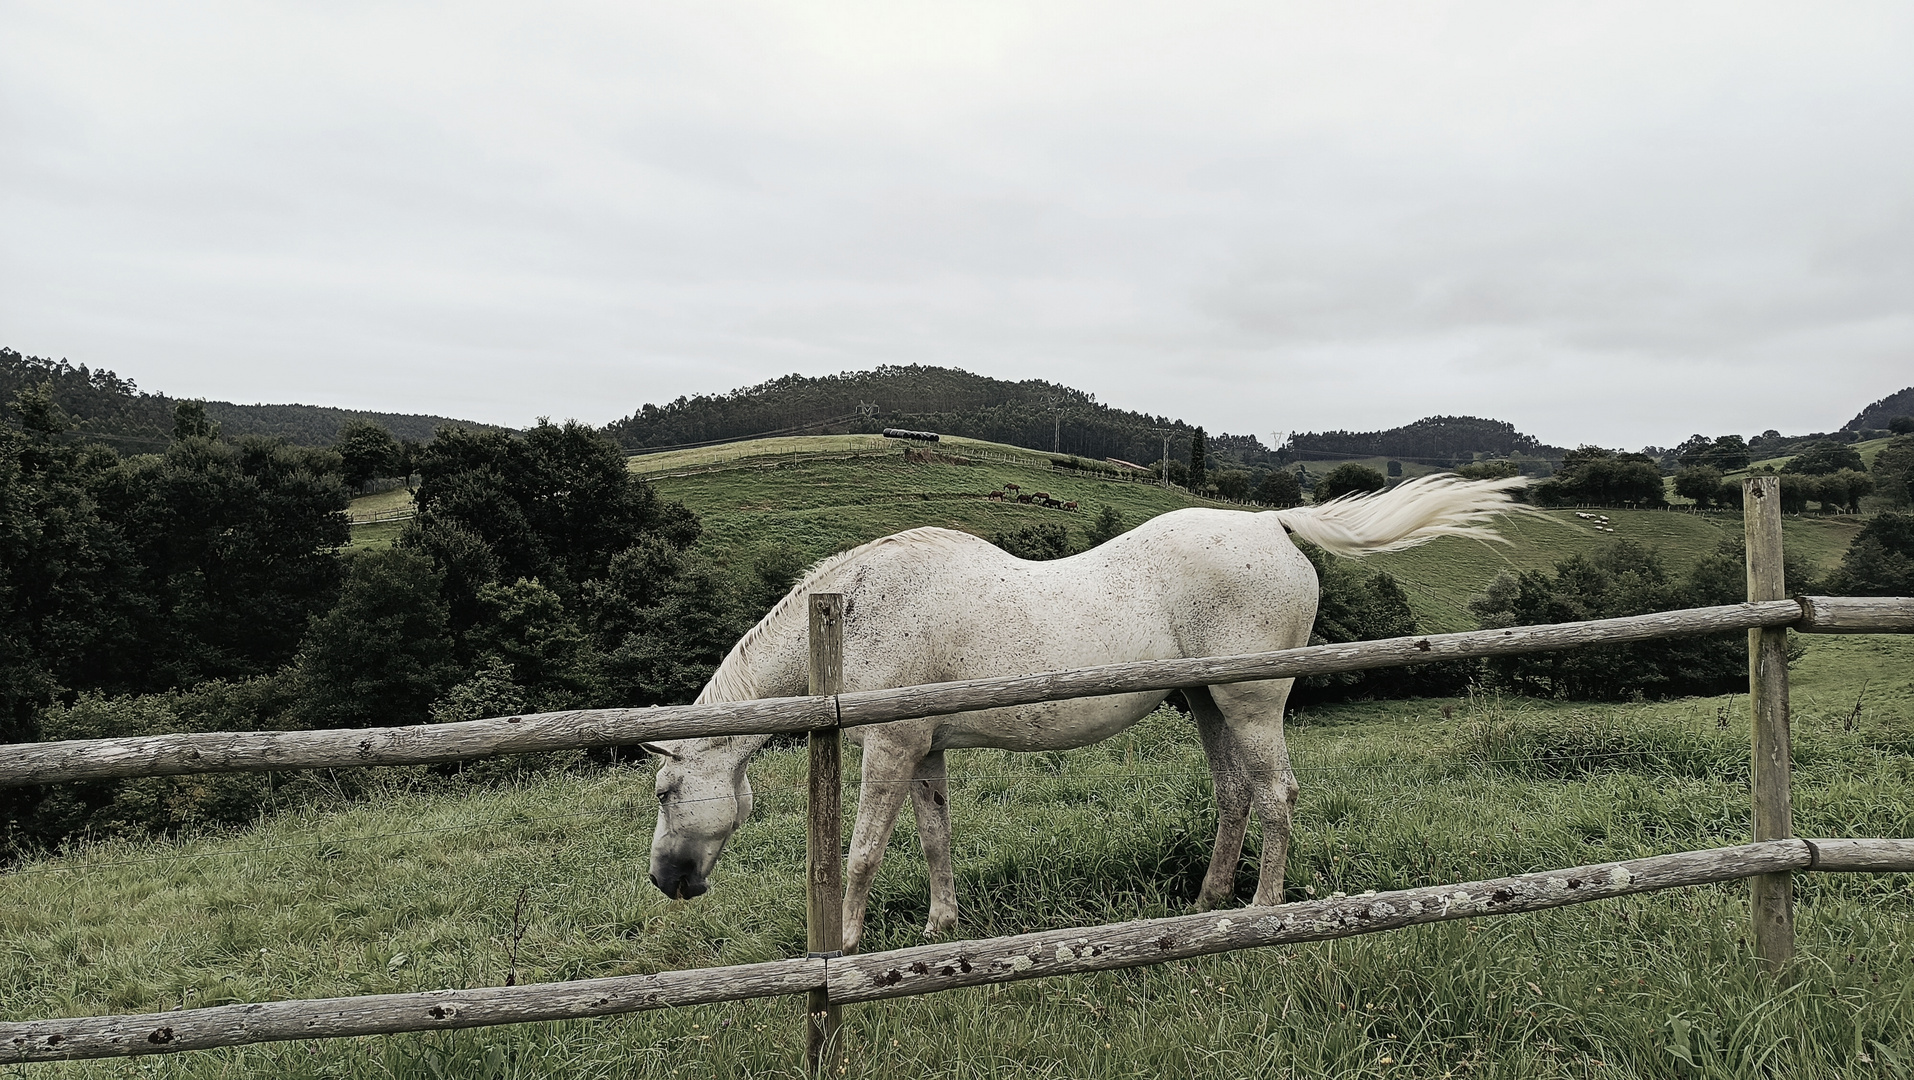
{"type": "Point", "coordinates": [831, 979]}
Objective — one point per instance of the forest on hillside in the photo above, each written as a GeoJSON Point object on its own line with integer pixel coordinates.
{"type": "Point", "coordinates": [102, 405]}
{"type": "Point", "coordinates": [1434, 440]}
{"type": "Point", "coordinates": [1035, 413]}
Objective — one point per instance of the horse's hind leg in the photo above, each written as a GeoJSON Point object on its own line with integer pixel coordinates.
{"type": "Point", "coordinates": [891, 760]}
{"type": "Point", "coordinates": [1232, 799]}
{"type": "Point", "coordinates": [1251, 731]}
{"type": "Point", "coordinates": [930, 798]}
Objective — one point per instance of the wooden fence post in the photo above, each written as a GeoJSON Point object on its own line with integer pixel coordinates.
{"type": "Point", "coordinates": [1771, 895]}
{"type": "Point", "coordinates": [824, 855]}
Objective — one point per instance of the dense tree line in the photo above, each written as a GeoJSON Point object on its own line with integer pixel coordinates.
{"type": "Point", "coordinates": [1439, 440]}
{"type": "Point", "coordinates": [99, 404]}
{"type": "Point", "coordinates": [1033, 413]}
{"type": "Point", "coordinates": [207, 588]}
{"type": "Point", "coordinates": [1593, 476]}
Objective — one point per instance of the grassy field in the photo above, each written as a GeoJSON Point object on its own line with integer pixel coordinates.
{"type": "Point", "coordinates": [418, 889]}
{"type": "Point", "coordinates": [824, 501]}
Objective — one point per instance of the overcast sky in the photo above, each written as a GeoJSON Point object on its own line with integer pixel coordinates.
{"type": "Point", "coordinates": [1612, 223]}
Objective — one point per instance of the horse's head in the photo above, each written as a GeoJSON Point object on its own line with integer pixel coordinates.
{"type": "Point", "coordinates": [703, 796]}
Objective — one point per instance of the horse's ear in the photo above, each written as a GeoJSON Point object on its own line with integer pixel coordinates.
{"type": "Point", "coordinates": [658, 751]}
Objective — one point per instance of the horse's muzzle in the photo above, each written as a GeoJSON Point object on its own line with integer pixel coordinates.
{"type": "Point", "coordinates": [679, 883]}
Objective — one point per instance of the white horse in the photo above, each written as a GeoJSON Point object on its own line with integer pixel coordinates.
{"type": "Point", "coordinates": [934, 605]}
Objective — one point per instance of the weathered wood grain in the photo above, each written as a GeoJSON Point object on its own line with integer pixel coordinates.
{"type": "Point", "coordinates": [883, 706]}
{"type": "Point", "coordinates": [423, 744]}
{"type": "Point", "coordinates": [278, 1021]}
{"type": "Point", "coordinates": [1861, 856]}
{"type": "Point", "coordinates": [259, 751]}
{"type": "Point", "coordinates": [1856, 615]}
{"type": "Point", "coordinates": [1771, 896]}
{"type": "Point", "coordinates": [928, 968]}
{"type": "Point", "coordinates": [823, 839]}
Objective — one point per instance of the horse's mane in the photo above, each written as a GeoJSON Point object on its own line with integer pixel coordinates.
{"type": "Point", "coordinates": [733, 680]}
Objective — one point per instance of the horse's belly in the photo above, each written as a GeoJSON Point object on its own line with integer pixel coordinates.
{"type": "Point", "coordinates": [1053, 725]}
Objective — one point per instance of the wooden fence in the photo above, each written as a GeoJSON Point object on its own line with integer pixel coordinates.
{"type": "Point", "coordinates": [831, 979]}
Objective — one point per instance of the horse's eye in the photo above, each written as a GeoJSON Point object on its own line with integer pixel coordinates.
{"type": "Point", "coordinates": [663, 795]}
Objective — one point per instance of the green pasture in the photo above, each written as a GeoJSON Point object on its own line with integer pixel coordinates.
{"type": "Point", "coordinates": [421, 888]}
{"type": "Point", "coordinates": [1442, 575]}
{"type": "Point", "coordinates": [821, 504]}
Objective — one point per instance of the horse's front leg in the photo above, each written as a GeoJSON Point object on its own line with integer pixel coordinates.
{"type": "Point", "coordinates": [1251, 731]}
{"type": "Point", "coordinates": [891, 760]}
{"type": "Point", "coordinates": [930, 798]}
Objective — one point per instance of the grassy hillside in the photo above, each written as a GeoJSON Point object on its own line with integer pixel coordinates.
{"type": "Point", "coordinates": [418, 890]}
{"type": "Point", "coordinates": [825, 493]}
{"type": "Point", "coordinates": [821, 494]}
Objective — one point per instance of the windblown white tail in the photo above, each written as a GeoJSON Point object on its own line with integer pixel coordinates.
{"type": "Point", "coordinates": [1412, 513]}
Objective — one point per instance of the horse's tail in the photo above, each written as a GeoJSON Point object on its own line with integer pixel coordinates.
{"type": "Point", "coordinates": [1411, 513]}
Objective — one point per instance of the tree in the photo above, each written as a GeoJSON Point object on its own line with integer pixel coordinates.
{"type": "Point", "coordinates": [236, 544]}
{"type": "Point", "coordinates": [1349, 478]}
{"type": "Point", "coordinates": [1593, 475]}
{"type": "Point", "coordinates": [368, 450]}
{"type": "Point", "coordinates": [1233, 484]}
{"type": "Point", "coordinates": [1901, 425]}
{"type": "Point", "coordinates": [383, 654]}
{"type": "Point", "coordinates": [1880, 560]}
{"type": "Point", "coordinates": [1108, 526]}
{"type": "Point", "coordinates": [555, 505]}
{"type": "Point", "coordinates": [1280, 490]}
{"type": "Point", "coordinates": [191, 422]}
{"type": "Point", "coordinates": [70, 605]}
{"type": "Point", "coordinates": [1893, 471]}
{"type": "Point", "coordinates": [526, 626]}
{"type": "Point", "coordinates": [1796, 490]}
{"type": "Point", "coordinates": [1199, 465]}
{"type": "Point", "coordinates": [1825, 457]}
{"type": "Point", "coordinates": [1488, 470]}
{"type": "Point", "coordinates": [1702, 483]}
{"type": "Point", "coordinates": [1046, 540]}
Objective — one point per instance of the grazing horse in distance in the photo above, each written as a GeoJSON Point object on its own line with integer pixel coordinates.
{"type": "Point", "coordinates": [934, 605]}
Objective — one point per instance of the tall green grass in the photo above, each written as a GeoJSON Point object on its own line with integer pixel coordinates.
{"type": "Point", "coordinates": [420, 889]}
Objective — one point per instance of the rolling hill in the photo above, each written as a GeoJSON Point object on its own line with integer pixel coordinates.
{"type": "Point", "coordinates": [820, 495]}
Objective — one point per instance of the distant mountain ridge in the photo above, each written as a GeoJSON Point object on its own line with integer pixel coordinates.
{"type": "Point", "coordinates": [116, 411]}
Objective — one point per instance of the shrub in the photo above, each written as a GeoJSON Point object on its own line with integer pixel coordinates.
{"type": "Point", "coordinates": [1825, 457]}
{"type": "Point", "coordinates": [1879, 561]}
{"type": "Point", "coordinates": [1624, 578]}
{"type": "Point", "coordinates": [1047, 540]}
{"type": "Point", "coordinates": [1279, 489]}
{"type": "Point", "coordinates": [1349, 479]}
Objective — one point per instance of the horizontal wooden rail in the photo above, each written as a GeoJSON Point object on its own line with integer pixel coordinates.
{"type": "Point", "coordinates": [384, 1014]}
{"type": "Point", "coordinates": [925, 969]}
{"type": "Point", "coordinates": [257, 751]}
{"type": "Point", "coordinates": [929, 968]}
